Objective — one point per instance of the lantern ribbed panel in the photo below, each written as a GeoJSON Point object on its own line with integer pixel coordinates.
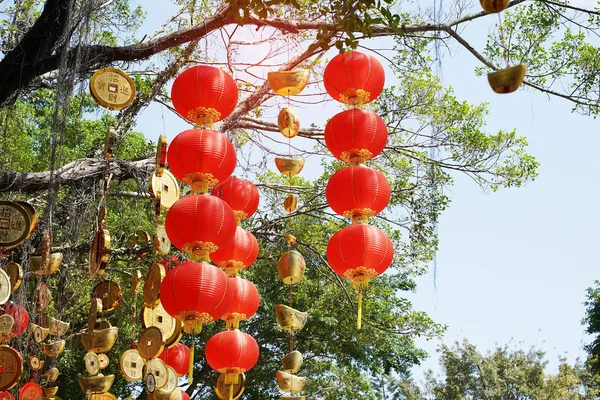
{"type": "Point", "coordinates": [201, 151]}
{"type": "Point", "coordinates": [358, 190]}
{"type": "Point", "coordinates": [349, 72]}
{"type": "Point", "coordinates": [241, 251]}
{"type": "Point", "coordinates": [240, 194]}
{"type": "Point", "coordinates": [200, 218]}
{"type": "Point", "coordinates": [192, 289]}
{"type": "Point", "coordinates": [354, 133]}
{"type": "Point", "coordinates": [246, 299]}
{"type": "Point", "coordinates": [231, 351]}
{"type": "Point", "coordinates": [358, 246]}
{"type": "Point", "coordinates": [207, 87]}
{"type": "Point", "coordinates": [20, 316]}
{"type": "Point", "coordinates": [177, 357]}
{"type": "Point", "coordinates": [184, 395]}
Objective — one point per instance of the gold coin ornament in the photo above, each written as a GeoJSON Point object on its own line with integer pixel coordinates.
{"type": "Point", "coordinates": [158, 369]}
{"type": "Point", "coordinates": [155, 275]}
{"type": "Point", "coordinates": [131, 365]}
{"type": "Point", "coordinates": [150, 383]}
{"type": "Point", "coordinates": [150, 342]}
{"type": "Point", "coordinates": [35, 363]}
{"type": "Point", "coordinates": [223, 389]}
{"type": "Point", "coordinates": [110, 293]}
{"type": "Point", "coordinates": [112, 89]}
{"type": "Point", "coordinates": [109, 142]}
{"type": "Point", "coordinates": [15, 275]}
{"type": "Point", "coordinates": [5, 288]}
{"type": "Point", "coordinates": [15, 224]}
{"type": "Point", "coordinates": [167, 186]}
{"type": "Point", "coordinates": [12, 367]}
{"type": "Point", "coordinates": [99, 253]}
{"type": "Point", "coordinates": [33, 216]}
{"type": "Point", "coordinates": [40, 333]}
{"type": "Point", "coordinates": [161, 155]}
{"type": "Point", "coordinates": [171, 380]}
{"type": "Point", "coordinates": [162, 242]}
{"type": "Point", "coordinates": [95, 309]}
{"type": "Point", "coordinates": [103, 360]}
{"type": "Point", "coordinates": [92, 363]}
{"type": "Point", "coordinates": [176, 336]}
{"type": "Point", "coordinates": [6, 323]}
{"type": "Point", "coordinates": [42, 295]}
{"type": "Point", "coordinates": [161, 319]}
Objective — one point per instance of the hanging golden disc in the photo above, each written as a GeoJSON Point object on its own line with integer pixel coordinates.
{"type": "Point", "coordinates": [167, 186]}
{"type": "Point", "coordinates": [15, 275]}
{"type": "Point", "coordinates": [6, 323]}
{"type": "Point", "coordinates": [5, 288]}
{"type": "Point", "coordinates": [112, 89]}
{"type": "Point", "coordinates": [15, 224]}
{"type": "Point", "coordinates": [92, 364]}
{"type": "Point", "coordinates": [155, 275]}
{"type": "Point", "coordinates": [288, 123]}
{"type": "Point", "coordinates": [95, 309]}
{"type": "Point", "coordinates": [161, 241]}
{"type": "Point", "coordinates": [109, 143]}
{"type": "Point", "coordinates": [161, 155]}
{"type": "Point", "coordinates": [131, 365]}
{"type": "Point", "coordinates": [42, 295]}
{"type": "Point", "coordinates": [33, 216]}
{"type": "Point", "coordinates": [103, 360]}
{"type": "Point", "coordinates": [99, 253]}
{"type": "Point", "coordinates": [110, 293]}
{"type": "Point", "coordinates": [150, 342]}
{"type": "Point", "coordinates": [12, 367]}
{"type": "Point", "coordinates": [35, 363]}
{"type": "Point", "coordinates": [150, 382]}
{"type": "Point", "coordinates": [161, 319]}
{"type": "Point", "coordinates": [222, 389]}
{"type": "Point", "coordinates": [289, 166]}
{"type": "Point", "coordinates": [176, 336]}
{"type": "Point", "coordinates": [158, 369]}
{"type": "Point", "coordinates": [171, 380]}
{"type": "Point", "coordinates": [52, 374]}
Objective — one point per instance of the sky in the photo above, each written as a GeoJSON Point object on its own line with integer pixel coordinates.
{"type": "Point", "coordinates": [513, 265]}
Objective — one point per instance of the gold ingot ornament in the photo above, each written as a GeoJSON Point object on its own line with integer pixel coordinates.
{"type": "Point", "coordinates": [494, 6]}
{"type": "Point", "coordinates": [290, 383]}
{"type": "Point", "coordinates": [290, 203]}
{"type": "Point", "coordinates": [288, 83]}
{"type": "Point", "coordinates": [288, 122]}
{"type": "Point", "coordinates": [36, 263]}
{"type": "Point", "coordinates": [290, 319]}
{"type": "Point", "coordinates": [292, 362]}
{"type": "Point", "coordinates": [15, 274]}
{"type": "Point", "coordinates": [54, 349]}
{"type": "Point", "coordinates": [52, 374]}
{"type": "Point", "coordinates": [50, 392]}
{"type": "Point", "coordinates": [291, 266]}
{"type": "Point", "coordinates": [97, 383]}
{"type": "Point", "coordinates": [100, 341]}
{"type": "Point", "coordinates": [507, 80]}
{"type": "Point", "coordinates": [55, 326]}
{"type": "Point", "coordinates": [289, 166]}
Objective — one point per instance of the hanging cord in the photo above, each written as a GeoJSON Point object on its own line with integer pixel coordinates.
{"type": "Point", "coordinates": [502, 40]}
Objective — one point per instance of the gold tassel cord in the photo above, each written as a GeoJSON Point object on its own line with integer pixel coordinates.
{"type": "Point", "coordinates": [191, 365]}
{"type": "Point", "coordinates": [230, 392]}
{"type": "Point", "coordinates": [359, 318]}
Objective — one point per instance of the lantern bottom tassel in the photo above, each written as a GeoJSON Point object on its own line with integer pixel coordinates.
{"type": "Point", "coordinates": [230, 392]}
{"type": "Point", "coordinates": [192, 326]}
{"type": "Point", "coordinates": [359, 319]}
{"type": "Point", "coordinates": [191, 365]}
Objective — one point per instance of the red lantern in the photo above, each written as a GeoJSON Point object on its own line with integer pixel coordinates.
{"type": "Point", "coordinates": [358, 192]}
{"type": "Point", "coordinates": [204, 94]}
{"type": "Point", "coordinates": [360, 252]}
{"type": "Point", "coordinates": [200, 224]}
{"type": "Point", "coordinates": [244, 304]}
{"type": "Point", "coordinates": [196, 294]}
{"type": "Point", "coordinates": [231, 353]}
{"type": "Point", "coordinates": [240, 194]}
{"type": "Point", "coordinates": [238, 254]}
{"type": "Point", "coordinates": [20, 316]}
{"type": "Point", "coordinates": [356, 135]}
{"type": "Point", "coordinates": [354, 78]}
{"type": "Point", "coordinates": [201, 158]}
{"type": "Point", "coordinates": [177, 357]}
{"type": "Point", "coordinates": [184, 395]}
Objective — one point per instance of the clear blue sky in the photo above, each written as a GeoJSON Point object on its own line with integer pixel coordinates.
{"type": "Point", "coordinates": [512, 264]}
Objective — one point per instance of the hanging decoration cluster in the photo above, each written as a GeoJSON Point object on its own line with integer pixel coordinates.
{"type": "Point", "coordinates": [359, 252]}
{"type": "Point", "coordinates": [291, 265]}
{"type": "Point", "coordinates": [206, 225]}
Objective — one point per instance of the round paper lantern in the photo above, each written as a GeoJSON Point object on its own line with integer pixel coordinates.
{"type": "Point", "coordinates": [358, 192]}
{"type": "Point", "coordinates": [238, 254]}
{"type": "Point", "coordinates": [356, 135]}
{"type": "Point", "coordinates": [20, 315]}
{"type": "Point", "coordinates": [231, 353]}
{"type": "Point", "coordinates": [200, 224]}
{"type": "Point", "coordinates": [184, 395]}
{"type": "Point", "coordinates": [240, 194]}
{"type": "Point", "coordinates": [204, 94]}
{"type": "Point", "coordinates": [201, 158]}
{"type": "Point", "coordinates": [360, 252]}
{"type": "Point", "coordinates": [177, 357]}
{"type": "Point", "coordinates": [196, 294]}
{"type": "Point", "coordinates": [354, 78]}
{"type": "Point", "coordinates": [244, 304]}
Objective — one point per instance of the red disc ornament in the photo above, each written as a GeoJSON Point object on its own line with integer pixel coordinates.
{"type": "Point", "coordinates": [244, 305]}
{"type": "Point", "coordinates": [20, 315]}
{"type": "Point", "coordinates": [354, 78]}
{"type": "Point", "coordinates": [200, 224]}
{"type": "Point", "coordinates": [238, 254]}
{"type": "Point", "coordinates": [356, 135]}
{"type": "Point", "coordinates": [231, 353]}
{"type": "Point", "coordinates": [6, 396]}
{"type": "Point", "coordinates": [240, 194]}
{"type": "Point", "coordinates": [31, 391]}
{"type": "Point", "coordinates": [201, 158]}
{"type": "Point", "coordinates": [196, 294]}
{"type": "Point", "coordinates": [358, 192]}
{"type": "Point", "coordinates": [177, 357]}
{"type": "Point", "coordinates": [204, 94]}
